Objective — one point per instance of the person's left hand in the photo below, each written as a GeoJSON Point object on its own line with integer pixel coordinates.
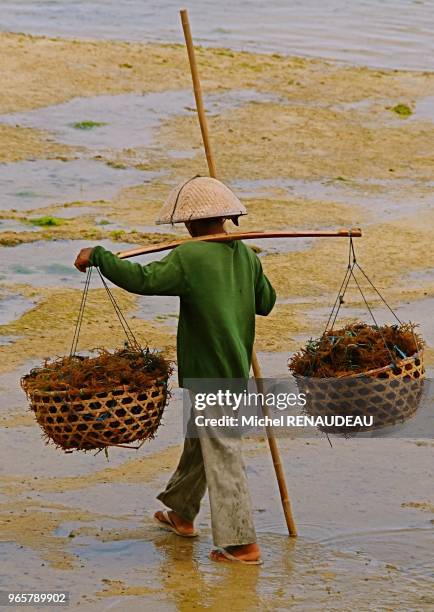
{"type": "Point", "coordinates": [82, 262]}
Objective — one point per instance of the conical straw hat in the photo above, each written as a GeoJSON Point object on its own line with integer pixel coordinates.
{"type": "Point", "coordinates": [200, 198]}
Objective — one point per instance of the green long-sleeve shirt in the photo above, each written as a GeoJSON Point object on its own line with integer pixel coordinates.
{"type": "Point", "coordinates": [221, 287]}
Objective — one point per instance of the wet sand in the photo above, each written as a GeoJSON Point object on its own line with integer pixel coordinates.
{"type": "Point", "coordinates": [78, 522]}
{"type": "Point", "coordinates": [309, 144]}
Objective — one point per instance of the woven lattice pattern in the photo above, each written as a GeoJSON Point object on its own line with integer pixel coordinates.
{"type": "Point", "coordinates": [390, 395]}
{"type": "Point", "coordinates": [84, 421]}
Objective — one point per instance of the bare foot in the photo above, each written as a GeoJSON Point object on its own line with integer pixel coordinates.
{"type": "Point", "coordinates": [247, 552]}
{"type": "Point", "coordinates": [182, 526]}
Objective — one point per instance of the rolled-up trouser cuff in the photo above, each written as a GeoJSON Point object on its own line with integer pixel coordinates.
{"type": "Point", "coordinates": [186, 512]}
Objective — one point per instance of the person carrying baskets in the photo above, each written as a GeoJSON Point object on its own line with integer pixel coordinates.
{"type": "Point", "coordinates": [221, 288]}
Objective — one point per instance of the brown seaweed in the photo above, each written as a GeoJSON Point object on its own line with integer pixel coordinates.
{"type": "Point", "coordinates": [356, 348]}
{"type": "Point", "coordinates": [130, 367]}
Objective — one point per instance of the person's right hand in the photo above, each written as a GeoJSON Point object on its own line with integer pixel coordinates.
{"type": "Point", "coordinates": [82, 261]}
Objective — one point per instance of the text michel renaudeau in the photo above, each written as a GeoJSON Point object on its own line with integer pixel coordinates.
{"type": "Point", "coordinates": [235, 401]}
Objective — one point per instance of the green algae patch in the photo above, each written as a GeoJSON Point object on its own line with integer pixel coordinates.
{"type": "Point", "coordinates": [47, 221]}
{"type": "Point", "coordinates": [117, 234]}
{"type": "Point", "coordinates": [403, 110]}
{"type": "Point", "coordinates": [88, 125]}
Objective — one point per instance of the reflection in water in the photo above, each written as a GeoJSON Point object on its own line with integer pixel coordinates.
{"type": "Point", "coordinates": [191, 580]}
{"type": "Point", "coordinates": [297, 574]}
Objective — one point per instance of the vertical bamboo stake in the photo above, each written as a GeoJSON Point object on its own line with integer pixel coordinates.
{"type": "Point", "coordinates": [275, 454]}
{"type": "Point", "coordinates": [198, 93]}
{"type": "Point", "coordinates": [255, 364]}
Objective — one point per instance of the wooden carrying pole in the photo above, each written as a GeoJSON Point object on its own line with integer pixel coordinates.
{"type": "Point", "coordinates": [255, 364]}
{"type": "Point", "coordinates": [167, 246]}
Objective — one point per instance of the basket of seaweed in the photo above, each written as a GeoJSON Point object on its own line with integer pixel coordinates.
{"type": "Point", "coordinates": [370, 375]}
{"type": "Point", "coordinates": [111, 399]}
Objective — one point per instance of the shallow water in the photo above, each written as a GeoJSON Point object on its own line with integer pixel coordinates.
{"type": "Point", "coordinates": [6, 340]}
{"type": "Point", "coordinates": [393, 33]}
{"type": "Point", "coordinates": [347, 549]}
{"type": "Point", "coordinates": [385, 198]}
{"type": "Point", "coordinates": [162, 309]}
{"type": "Point", "coordinates": [35, 184]}
{"type": "Point", "coordinates": [385, 523]}
{"type": "Point", "coordinates": [415, 279]}
{"type": "Point", "coordinates": [282, 245]}
{"type": "Point", "coordinates": [128, 120]}
{"type": "Point", "coordinates": [424, 109]}
{"type": "Point", "coordinates": [407, 549]}
{"type": "Point", "coordinates": [360, 540]}
{"type": "Point", "coordinates": [13, 306]}
{"type": "Point", "coordinates": [50, 264]}
{"type": "Point", "coordinates": [358, 507]}
{"type": "Point", "coordinates": [12, 225]}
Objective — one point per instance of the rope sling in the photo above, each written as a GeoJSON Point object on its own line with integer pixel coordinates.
{"type": "Point", "coordinates": [349, 274]}
{"type": "Point", "coordinates": [131, 339]}
{"type": "Point", "coordinates": [114, 412]}
{"type": "Point", "coordinates": [389, 393]}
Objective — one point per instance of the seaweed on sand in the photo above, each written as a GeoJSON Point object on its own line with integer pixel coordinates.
{"type": "Point", "coordinates": [403, 110]}
{"type": "Point", "coordinates": [47, 221]}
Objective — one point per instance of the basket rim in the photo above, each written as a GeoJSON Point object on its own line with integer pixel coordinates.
{"type": "Point", "coordinates": [78, 392]}
{"type": "Point", "coordinates": [417, 355]}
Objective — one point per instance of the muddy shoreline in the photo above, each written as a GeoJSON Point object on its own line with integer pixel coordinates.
{"type": "Point", "coordinates": [307, 143]}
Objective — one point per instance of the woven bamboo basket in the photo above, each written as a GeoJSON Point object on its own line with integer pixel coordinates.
{"type": "Point", "coordinates": [83, 421]}
{"type": "Point", "coordinates": [390, 394]}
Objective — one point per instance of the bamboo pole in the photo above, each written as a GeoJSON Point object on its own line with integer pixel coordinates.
{"type": "Point", "coordinates": [255, 364]}
{"type": "Point", "coordinates": [275, 454]}
{"type": "Point", "coordinates": [197, 89]}
{"type": "Point", "coordinates": [167, 246]}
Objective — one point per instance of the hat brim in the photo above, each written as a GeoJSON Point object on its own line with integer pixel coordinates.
{"type": "Point", "coordinates": [200, 217]}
